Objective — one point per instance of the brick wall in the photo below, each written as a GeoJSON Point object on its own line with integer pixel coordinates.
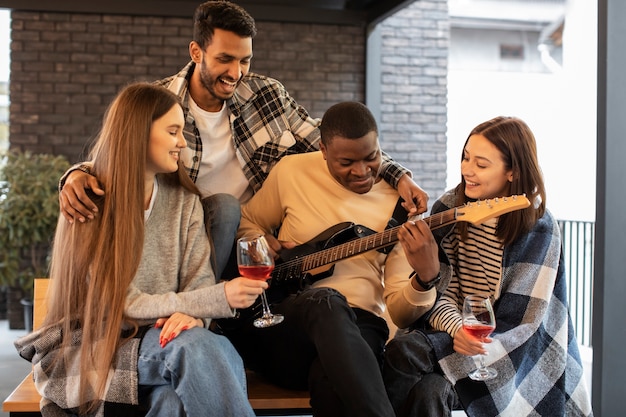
{"type": "Point", "coordinates": [66, 67]}
{"type": "Point", "coordinates": [414, 62]}
{"type": "Point", "coordinates": [319, 64]}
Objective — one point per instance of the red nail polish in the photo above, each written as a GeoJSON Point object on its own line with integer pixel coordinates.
{"type": "Point", "coordinates": [185, 328]}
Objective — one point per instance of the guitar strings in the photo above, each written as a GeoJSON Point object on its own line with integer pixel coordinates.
{"type": "Point", "coordinates": [364, 244]}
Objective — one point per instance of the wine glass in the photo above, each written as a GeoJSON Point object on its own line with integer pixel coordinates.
{"type": "Point", "coordinates": [479, 321]}
{"type": "Point", "coordinates": [255, 262]}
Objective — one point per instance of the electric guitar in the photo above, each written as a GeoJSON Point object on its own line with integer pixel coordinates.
{"type": "Point", "coordinates": [315, 259]}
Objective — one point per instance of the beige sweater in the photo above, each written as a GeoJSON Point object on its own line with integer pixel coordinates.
{"type": "Point", "coordinates": [302, 198]}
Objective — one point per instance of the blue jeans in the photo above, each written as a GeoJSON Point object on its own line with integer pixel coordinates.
{"type": "Point", "coordinates": [199, 373]}
{"type": "Point", "coordinates": [222, 214]}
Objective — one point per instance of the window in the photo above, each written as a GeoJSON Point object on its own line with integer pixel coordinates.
{"type": "Point", "coordinates": [511, 52]}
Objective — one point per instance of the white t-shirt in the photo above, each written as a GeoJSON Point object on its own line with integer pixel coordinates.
{"type": "Point", "coordinates": [220, 170]}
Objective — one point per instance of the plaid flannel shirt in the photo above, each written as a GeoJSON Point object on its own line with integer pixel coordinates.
{"type": "Point", "coordinates": [266, 124]}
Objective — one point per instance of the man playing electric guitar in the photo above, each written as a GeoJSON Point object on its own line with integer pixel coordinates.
{"type": "Point", "coordinates": [333, 335]}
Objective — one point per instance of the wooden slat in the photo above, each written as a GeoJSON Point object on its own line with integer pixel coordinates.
{"type": "Point", "coordinates": [264, 395]}
{"type": "Point", "coordinates": [40, 301]}
{"type": "Point", "coordinates": [24, 398]}
{"type": "Point", "coordinates": [261, 394]}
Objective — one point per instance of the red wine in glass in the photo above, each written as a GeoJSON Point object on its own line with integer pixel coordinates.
{"type": "Point", "coordinates": [256, 272]}
{"type": "Point", "coordinates": [479, 321]}
{"type": "Point", "coordinates": [255, 261]}
{"type": "Point", "coordinates": [479, 331]}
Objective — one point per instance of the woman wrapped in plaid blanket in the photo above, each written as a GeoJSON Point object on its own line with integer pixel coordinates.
{"type": "Point", "coordinates": [516, 260]}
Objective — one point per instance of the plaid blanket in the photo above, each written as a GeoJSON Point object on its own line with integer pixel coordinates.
{"type": "Point", "coordinates": [58, 383]}
{"type": "Point", "coordinates": [534, 348]}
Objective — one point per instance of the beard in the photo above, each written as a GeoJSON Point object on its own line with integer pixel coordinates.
{"type": "Point", "coordinates": [211, 84]}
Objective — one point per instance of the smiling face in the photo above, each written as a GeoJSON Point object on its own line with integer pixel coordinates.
{"type": "Point", "coordinates": [483, 169]}
{"type": "Point", "coordinates": [354, 163]}
{"type": "Point", "coordinates": [219, 68]}
{"type": "Point", "coordinates": [166, 141]}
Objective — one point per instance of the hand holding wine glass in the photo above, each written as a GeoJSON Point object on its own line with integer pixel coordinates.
{"type": "Point", "coordinates": [255, 262]}
{"type": "Point", "coordinates": [479, 321]}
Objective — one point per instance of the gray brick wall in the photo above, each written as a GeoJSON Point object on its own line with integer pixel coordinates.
{"type": "Point", "coordinates": [66, 67]}
{"type": "Point", "coordinates": [414, 62]}
{"type": "Point", "coordinates": [319, 64]}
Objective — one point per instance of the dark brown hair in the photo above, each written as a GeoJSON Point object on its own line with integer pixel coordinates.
{"type": "Point", "coordinates": [223, 15]}
{"type": "Point", "coordinates": [516, 143]}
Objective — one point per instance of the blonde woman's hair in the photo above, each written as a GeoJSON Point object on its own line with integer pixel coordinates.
{"type": "Point", "coordinates": [93, 264]}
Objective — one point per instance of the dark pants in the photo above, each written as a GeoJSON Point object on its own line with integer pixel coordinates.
{"type": "Point", "coordinates": [414, 381]}
{"type": "Point", "coordinates": [326, 346]}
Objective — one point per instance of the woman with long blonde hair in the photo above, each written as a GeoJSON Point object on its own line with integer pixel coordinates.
{"type": "Point", "coordinates": [133, 291]}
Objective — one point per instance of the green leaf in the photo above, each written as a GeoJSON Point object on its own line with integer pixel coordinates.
{"type": "Point", "coordinates": [29, 210]}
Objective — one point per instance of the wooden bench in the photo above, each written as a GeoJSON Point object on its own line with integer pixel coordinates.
{"type": "Point", "coordinates": [266, 399]}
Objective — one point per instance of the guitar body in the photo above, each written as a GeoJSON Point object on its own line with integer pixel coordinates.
{"type": "Point", "coordinates": [297, 275]}
{"type": "Point", "coordinates": [291, 279]}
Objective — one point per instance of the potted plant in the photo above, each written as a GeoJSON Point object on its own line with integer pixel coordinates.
{"type": "Point", "coordinates": [29, 210]}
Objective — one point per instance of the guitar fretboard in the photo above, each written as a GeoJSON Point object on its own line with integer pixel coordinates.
{"type": "Point", "coordinates": [355, 247]}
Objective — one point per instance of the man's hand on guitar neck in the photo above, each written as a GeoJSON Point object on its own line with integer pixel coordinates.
{"type": "Point", "coordinates": [421, 250]}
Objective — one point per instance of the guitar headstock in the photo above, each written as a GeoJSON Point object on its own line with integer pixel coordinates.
{"type": "Point", "coordinates": [477, 212]}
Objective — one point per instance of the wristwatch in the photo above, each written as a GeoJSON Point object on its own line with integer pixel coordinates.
{"type": "Point", "coordinates": [427, 285]}
{"type": "Point", "coordinates": [79, 167]}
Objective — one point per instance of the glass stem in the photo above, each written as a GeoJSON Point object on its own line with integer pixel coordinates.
{"type": "Point", "coordinates": [481, 358]}
{"type": "Point", "coordinates": [266, 307]}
